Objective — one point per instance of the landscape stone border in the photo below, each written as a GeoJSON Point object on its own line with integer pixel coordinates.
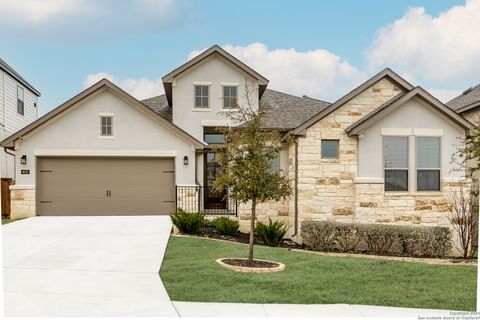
{"type": "Point", "coordinates": [278, 268]}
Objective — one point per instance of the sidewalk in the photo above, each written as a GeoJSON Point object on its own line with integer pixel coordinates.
{"type": "Point", "coordinates": [213, 310]}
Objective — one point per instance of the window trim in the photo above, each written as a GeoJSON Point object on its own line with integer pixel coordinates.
{"type": "Point", "coordinates": [201, 84]}
{"type": "Point", "coordinates": [106, 115]}
{"type": "Point", "coordinates": [394, 169]}
{"type": "Point", "coordinates": [338, 149]}
{"type": "Point", "coordinates": [22, 101]}
{"type": "Point", "coordinates": [439, 169]}
{"type": "Point", "coordinates": [223, 97]}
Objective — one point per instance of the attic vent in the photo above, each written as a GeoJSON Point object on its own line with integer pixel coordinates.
{"type": "Point", "coordinates": [467, 91]}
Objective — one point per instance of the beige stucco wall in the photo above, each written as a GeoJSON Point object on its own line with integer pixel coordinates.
{"type": "Point", "coordinates": [76, 132]}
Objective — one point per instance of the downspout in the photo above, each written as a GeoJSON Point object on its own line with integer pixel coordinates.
{"type": "Point", "coordinates": [14, 163]}
{"type": "Point", "coordinates": [296, 191]}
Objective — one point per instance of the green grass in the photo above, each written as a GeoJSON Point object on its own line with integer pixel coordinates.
{"type": "Point", "coordinates": [190, 273]}
{"type": "Point", "coordinates": [5, 221]}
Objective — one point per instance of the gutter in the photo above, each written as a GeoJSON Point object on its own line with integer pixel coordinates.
{"type": "Point", "coordinates": [14, 163]}
{"type": "Point", "coordinates": [296, 190]}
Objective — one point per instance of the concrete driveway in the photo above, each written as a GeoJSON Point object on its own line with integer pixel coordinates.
{"type": "Point", "coordinates": [85, 266]}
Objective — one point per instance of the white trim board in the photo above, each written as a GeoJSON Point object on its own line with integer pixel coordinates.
{"type": "Point", "coordinates": [106, 153]}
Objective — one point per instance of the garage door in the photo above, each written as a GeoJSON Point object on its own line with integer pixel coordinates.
{"type": "Point", "coordinates": [105, 186]}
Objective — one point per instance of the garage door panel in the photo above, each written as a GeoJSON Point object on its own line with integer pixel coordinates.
{"type": "Point", "coordinates": [105, 186]}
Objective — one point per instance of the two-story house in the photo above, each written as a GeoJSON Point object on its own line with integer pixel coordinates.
{"type": "Point", "coordinates": [18, 108]}
{"type": "Point", "coordinates": [379, 154]}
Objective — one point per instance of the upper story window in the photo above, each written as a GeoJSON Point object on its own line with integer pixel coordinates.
{"type": "Point", "coordinates": [428, 163]}
{"type": "Point", "coordinates": [395, 156]}
{"type": "Point", "coordinates": [106, 125]}
{"type": "Point", "coordinates": [212, 135]}
{"type": "Point", "coordinates": [229, 97]}
{"type": "Point", "coordinates": [20, 100]}
{"type": "Point", "coordinates": [329, 149]}
{"type": "Point", "coordinates": [201, 96]}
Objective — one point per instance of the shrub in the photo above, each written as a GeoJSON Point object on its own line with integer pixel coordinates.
{"type": "Point", "coordinates": [272, 233]}
{"type": "Point", "coordinates": [410, 241]}
{"type": "Point", "coordinates": [379, 238]}
{"type": "Point", "coordinates": [209, 223]}
{"type": "Point", "coordinates": [226, 226]}
{"type": "Point", "coordinates": [436, 242]}
{"type": "Point", "coordinates": [187, 222]}
{"type": "Point", "coordinates": [347, 237]}
{"type": "Point", "coordinates": [319, 235]}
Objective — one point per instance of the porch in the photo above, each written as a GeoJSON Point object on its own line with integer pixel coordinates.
{"type": "Point", "coordinates": [205, 200]}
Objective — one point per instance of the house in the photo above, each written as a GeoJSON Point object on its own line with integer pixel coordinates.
{"type": "Point", "coordinates": [468, 104]}
{"type": "Point", "coordinates": [18, 108]}
{"type": "Point", "coordinates": [379, 154]}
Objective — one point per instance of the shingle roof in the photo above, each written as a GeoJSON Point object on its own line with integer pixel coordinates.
{"type": "Point", "coordinates": [18, 77]}
{"type": "Point", "coordinates": [159, 104]}
{"type": "Point", "coordinates": [279, 110]}
{"type": "Point", "coordinates": [284, 111]}
{"type": "Point", "coordinates": [469, 99]}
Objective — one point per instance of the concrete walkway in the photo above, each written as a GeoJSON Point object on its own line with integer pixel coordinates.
{"type": "Point", "coordinates": [85, 266]}
{"type": "Point", "coordinates": [220, 310]}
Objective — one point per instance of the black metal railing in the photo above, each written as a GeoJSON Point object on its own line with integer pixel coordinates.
{"type": "Point", "coordinates": [206, 200]}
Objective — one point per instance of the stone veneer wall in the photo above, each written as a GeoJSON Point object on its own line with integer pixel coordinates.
{"type": "Point", "coordinates": [22, 202]}
{"type": "Point", "coordinates": [374, 205]}
{"type": "Point", "coordinates": [280, 210]}
{"type": "Point", "coordinates": [326, 186]}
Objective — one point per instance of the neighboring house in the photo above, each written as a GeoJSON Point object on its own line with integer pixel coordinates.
{"type": "Point", "coordinates": [380, 154]}
{"type": "Point", "coordinates": [18, 108]}
{"type": "Point", "coordinates": [468, 104]}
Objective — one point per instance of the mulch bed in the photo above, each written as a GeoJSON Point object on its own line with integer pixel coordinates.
{"type": "Point", "coordinates": [246, 263]}
{"type": "Point", "coordinates": [210, 232]}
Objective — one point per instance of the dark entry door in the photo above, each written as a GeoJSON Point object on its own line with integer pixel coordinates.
{"type": "Point", "coordinates": [213, 199]}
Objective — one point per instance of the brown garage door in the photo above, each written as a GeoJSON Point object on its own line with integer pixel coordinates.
{"type": "Point", "coordinates": [105, 186]}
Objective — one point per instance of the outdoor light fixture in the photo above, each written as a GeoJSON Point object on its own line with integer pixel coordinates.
{"type": "Point", "coordinates": [185, 161]}
{"type": "Point", "coordinates": [23, 159]}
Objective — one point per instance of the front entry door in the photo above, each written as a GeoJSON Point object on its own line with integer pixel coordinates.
{"type": "Point", "coordinates": [213, 199]}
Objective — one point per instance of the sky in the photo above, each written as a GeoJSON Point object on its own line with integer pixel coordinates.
{"type": "Point", "coordinates": [322, 49]}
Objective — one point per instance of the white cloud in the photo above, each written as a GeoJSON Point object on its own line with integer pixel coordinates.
{"type": "Point", "coordinates": [317, 73]}
{"type": "Point", "coordinates": [445, 95]}
{"type": "Point", "coordinates": [140, 88]}
{"type": "Point", "coordinates": [442, 50]}
{"type": "Point", "coordinates": [90, 20]}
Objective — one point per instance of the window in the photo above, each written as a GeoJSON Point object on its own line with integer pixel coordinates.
{"type": "Point", "coordinates": [20, 100]}
{"type": "Point", "coordinates": [428, 163]}
{"type": "Point", "coordinates": [329, 149]}
{"type": "Point", "coordinates": [275, 163]}
{"type": "Point", "coordinates": [229, 97]}
{"type": "Point", "coordinates": [396, 163]}
{"type": "Point", "coordinates": [215, 138]}
{"type": "Point", "coordinates": [201, 96]}
{"type": "Point", "coordinates": [106, 124]}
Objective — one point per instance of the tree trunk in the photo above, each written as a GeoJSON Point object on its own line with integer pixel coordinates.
{"type": "Point", "coordinates": [252, 231]}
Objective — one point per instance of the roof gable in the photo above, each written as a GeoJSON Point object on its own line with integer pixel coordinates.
{"type": "Point", "coordinates": [168, 79]}
{"type": "Point", "coordinates": [100, 85]}
{"type": "Point", "coordinates": [396, 102]}
{"type": "Point", "coordinates": [386, 73]}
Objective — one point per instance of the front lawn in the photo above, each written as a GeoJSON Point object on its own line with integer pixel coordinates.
{"type": "Point", "coordinates": [190, 273]}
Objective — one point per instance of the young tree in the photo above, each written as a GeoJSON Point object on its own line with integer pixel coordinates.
{"type": "Point", "coordinates": [463, 215]}
{"type": "Point", "coordinates": [464, 206]}
{"type": "Point", "coordinates": [245, 160]}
